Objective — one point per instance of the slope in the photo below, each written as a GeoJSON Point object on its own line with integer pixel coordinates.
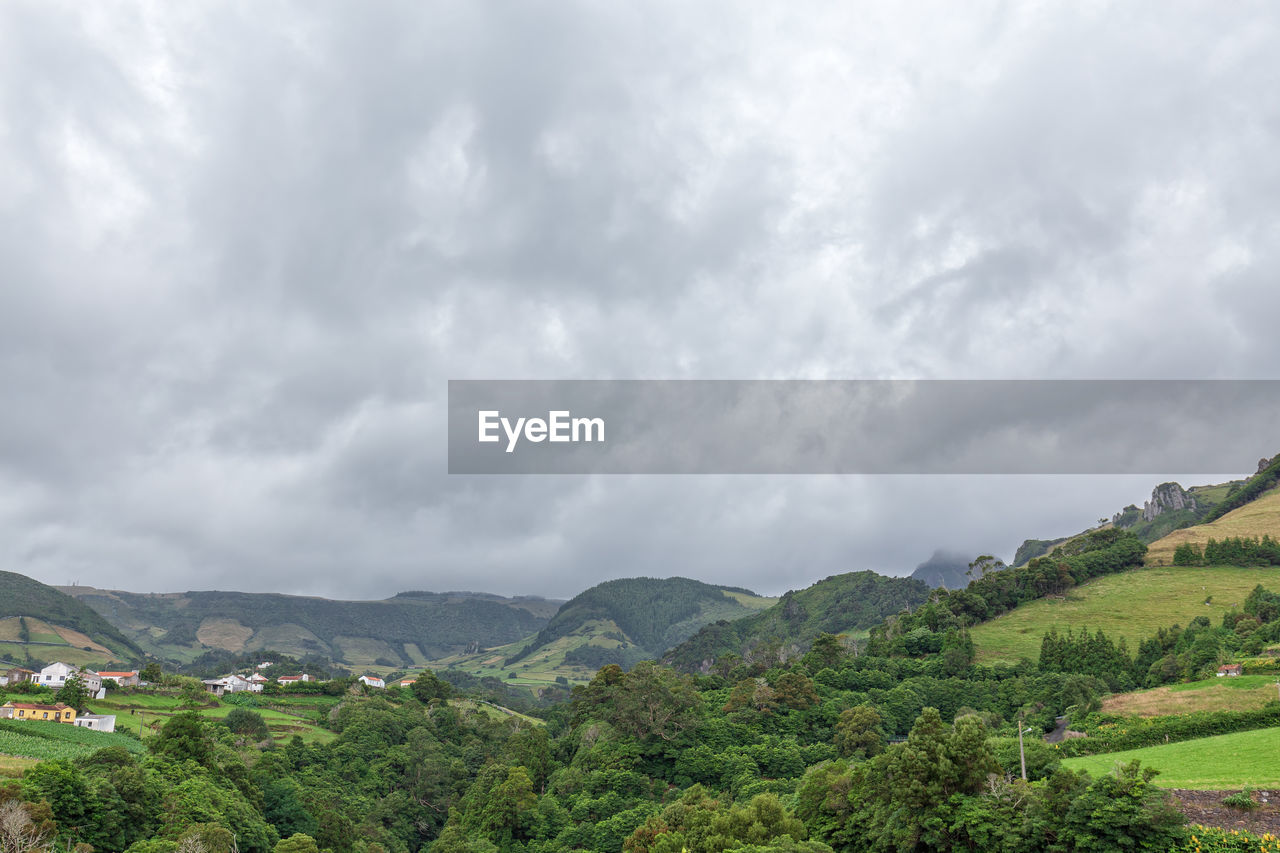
{"type": "Point", "coordinates": [407, 629]}
{"type": "Point", "coordinates": [845, 603]}
{"type": "Point", "coordinates": [1171, 508]}
{"type": "Point", "coordinates": [1132, 605]}
{"type": "Point", "coordinates": [39, 623]}
{"type": "Point", "coordinates": [1255, 519]}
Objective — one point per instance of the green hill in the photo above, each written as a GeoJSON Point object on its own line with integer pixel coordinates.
{"type": "Point", "coordinates": [1132, 605]}
{"type": "Point", "coordinates": [845, 603]}
{"type": "Point", "coordinates": [1253, 520]}
{"type": "Point", "coordinates": [39, 623]}
{"type": "Point", "coordinates": [643, 617]}
{"type": "Point", "coordinates": [408, 629]}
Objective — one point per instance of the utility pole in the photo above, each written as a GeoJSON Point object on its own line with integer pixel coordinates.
{"type": "Point", "coordinates": [1022, 755]}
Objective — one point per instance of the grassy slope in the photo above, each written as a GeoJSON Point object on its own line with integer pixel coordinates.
{"type": "Point", "coordinates": [57, 618]}
{"type": "Point", "coordinates": [1254, 519]}
{"type": "Point", "coordinates": [1132, 605]}
{"type": "Point", "coordinates": [1216, 763]}
{"type": "Point", "coordinates": [1243, 693]}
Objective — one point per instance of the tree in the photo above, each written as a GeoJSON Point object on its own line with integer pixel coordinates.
{"type": "Point", "coordinates": [428, 686]}
{"type": "Point", "coordinates": [242, 721]}
{"type": "Point", "coordinates": [151, 673]}
{"type": "Point", "coordinates": [297, 843]}
{"type": "Point", "coordinates": [183, 737]}
{"type": "Point", "coordinates": [860, 732]}
{"type": "Point", "coordinates": [73, 693]}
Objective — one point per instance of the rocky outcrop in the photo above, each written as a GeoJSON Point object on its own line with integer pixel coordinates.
{"type": "Point", "coordinates": [1264, 462]}
{"type": "Point", "coordinates": [1167, 497]}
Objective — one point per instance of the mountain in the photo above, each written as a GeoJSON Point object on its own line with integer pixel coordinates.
{"type": "Point", "coordinates": [40, 623]}
{"type": "Point", "coordinates": [1171, 508]}
{"type": "Point", "coordinates": [852, 602]}
{"type": "Point", "coordinates": [407, 629]}
{"type": "Point", "coordinates": [946, 569]}
{"type": "Point", "coordinates": [632, 619]}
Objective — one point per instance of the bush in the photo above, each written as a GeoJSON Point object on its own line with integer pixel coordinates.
{"type": "Point", "coordinates": [1240, 800]}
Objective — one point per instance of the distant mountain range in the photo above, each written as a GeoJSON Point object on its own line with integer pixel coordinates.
{"type": "Point", "coordinates": [407, 629]}
{"type": "Point", "coordinates": [531, 641]}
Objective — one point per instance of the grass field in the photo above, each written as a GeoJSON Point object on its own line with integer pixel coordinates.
{"type": "Point", "coordinates": [1243, 693]}
{"type": "Point", "coordinates": [1216, 763]}
{"type": "Point", "coordinates": [1132, 605]}
{"type": "Point", "coordinates": [11, 766]}
{"type": "Point", "coordinates": [1252, 520]}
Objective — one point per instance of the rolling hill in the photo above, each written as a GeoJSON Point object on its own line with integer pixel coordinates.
{"type": "Point", "coordinates": [852, 602]}
{"type": "Point", "coordinates": [632, 619]}
{"type": "Point", "coordinates": [40, 623]}
{"type": "Point", "coordinates": [407, 629]}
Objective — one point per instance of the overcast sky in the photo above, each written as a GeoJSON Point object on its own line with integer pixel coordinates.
{"type": "Point", "coordinates": [244, 246]}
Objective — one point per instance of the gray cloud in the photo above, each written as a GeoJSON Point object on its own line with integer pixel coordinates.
{"type": "Point", "coordinates": [243, 248]}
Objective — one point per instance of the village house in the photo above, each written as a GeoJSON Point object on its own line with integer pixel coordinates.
{"type": "Point", "coordinates": [14, 674]}
{"type": "Point", "coordinates": [97, 722]}
{"type": "Point", "coordinates": [231, 684]}
{"type": "Point", "coordinates": [257, 678]}
{"type": "Point", "coordinates": [295, 679]}
{"type": "Point", "coordinates": [405, 682]}
{"type": "Point", "coordinates": [1231, 669]}
{"type": "Point", "coordinates": [24, 711]}
{"type": "Point", "coordinates": [55, 675]}
{"type": "Point", "coordinates": [372, 681]}
{"type": "Point", "coordinates": [122, 678]}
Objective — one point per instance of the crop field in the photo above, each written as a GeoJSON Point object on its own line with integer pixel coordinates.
{"type": "Point", "coordinates": [1243, 693]}
{"type": "Point", "coordinates": [144, 714]}
{"type": "Point", "coordinates": [1132, 605]}
{"type": "Point", "coordinates": [1224, 762]}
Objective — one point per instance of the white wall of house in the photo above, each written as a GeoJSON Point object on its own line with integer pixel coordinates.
{"type": "Point", "coordinates": [97, 722]}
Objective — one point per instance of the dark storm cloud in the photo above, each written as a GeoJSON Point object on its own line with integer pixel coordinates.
{"type": "Point", "coordinates": [244, 247]}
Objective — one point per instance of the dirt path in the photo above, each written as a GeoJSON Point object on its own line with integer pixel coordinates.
{"type": "Point", "coordinates": [1206, 807]}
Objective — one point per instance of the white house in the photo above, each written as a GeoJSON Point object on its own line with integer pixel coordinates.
{"type": "Point", "coordinates": [97, 722]}
{"type": "Point", "coordinates": [231, 684]}
{"type": "Point", "coordinates": [372, 681]}
{"type": "Point", "coordinates": [55, 675]}
{"type": "Point", "coordinates": [295, 679]}
{"type": "Point", "coordinates": [124, 678]}
{"type": "Point", "coordinates": [257, 678]}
